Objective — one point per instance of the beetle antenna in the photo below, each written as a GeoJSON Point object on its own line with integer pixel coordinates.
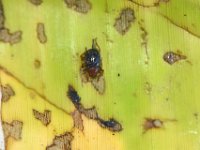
{"type": "Point", "coordinates": [93, 44]}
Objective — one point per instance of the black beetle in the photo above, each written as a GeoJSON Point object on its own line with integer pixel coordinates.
{"type": "Point", "coordinates": [92, 58]}
{"type": "Point", "coordinates": [91, 61]}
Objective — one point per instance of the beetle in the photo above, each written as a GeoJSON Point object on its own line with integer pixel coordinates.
{"type": "Point", "coordinates": [91, 61]}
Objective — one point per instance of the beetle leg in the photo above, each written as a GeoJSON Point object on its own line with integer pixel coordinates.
{"type": "Point", "coordinates": [94, 44]}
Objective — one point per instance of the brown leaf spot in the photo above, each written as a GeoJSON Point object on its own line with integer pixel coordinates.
{"type": "Point", "coordinates": [45, 117]}
{"type": "Point", "coordinates": [81, 6]}
{"type": "Point", "coordinates": [62, 142]}
{"type": "Point", "coordinates": [37, 63]}
{"type": "Point", "coordinates": [154, 123]}
{"type": "Point", "coordinates": [99, 84]}
{"type": "Point", "coordinates": [172, 57]}
{"type": "Point", "coordinates": [12, 38]}
{"type": "Point", "coordinates": [90, 113]}
{"type": "Point", "coordinates": [124, 21]}
{"type": "Point", "coordinates": [5, 35]}
{"type": "Point", "coordinates": [13, 129]}
{"type": "Point", "coordinates": [41, 33]}
{"type": "Point", "coordinates": [7, 92]}
{"type": "Point", "coordinates": [36, 2]}
{"type": "Point", "coordinates": [78, 121]}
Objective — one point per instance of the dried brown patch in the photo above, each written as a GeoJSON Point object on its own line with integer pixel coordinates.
{"type": "Point", "coordinates": [84, 77]}
{"type": "Point", "coordinates": [99, 84]}
{"type": "Point", "coordinates": [62, 142]}
{"type": "Point", "coordinates": [41, 33]}
{"type": "Point", "coordinates": [12, 38]}
{"type": "Point", "coordinates": [82, 6]}
{"type": "Point", "coordinates": [13, 129]}
{"type": "Point", "coordinates": [36, 2]}
{"type": "Point", "coordinates": [45, 117]}
{"type": "Point", "coordinates": [37, 63]}
{"type": "Point", "coordinates": [172, 57]}
{"type": "Point", "coordinates": [7, 92]}
{"type": "Point", "coordinates": [124, 21]}
{"type": "Point", "coordinates": [78, 121]}
{"type": "Point", "coordinates": [90, 113]}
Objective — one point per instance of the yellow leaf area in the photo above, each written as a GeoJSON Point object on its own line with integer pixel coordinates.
{"type": "Point", "coordinates": [36, 136]}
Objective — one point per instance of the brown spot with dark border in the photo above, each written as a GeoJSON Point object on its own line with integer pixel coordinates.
{"type": "Point", "coordinates": [7, 92]}
{"type": "Point", "coordinates": [37, 63]}
{"type": "Point", "coordinates": [45, 117]}
{"type": "Point", "coordinates": [124, 21]}
{"type": "Point", "coordinates": [154, 123]}
{"type": "Point", "coordinates": [36, 2]}
{"type": "Point", "coordinates": [41, 35]}
{"type": "Point", "coordinates": [8, 37]}
{"type": "Point", "coordinates": [62, 142]}
{"type": "Point", "coordinates": [172, 57]}
{"type": "Point", "coordinates": [78, 121]}
{"type": "Point", "coordinates": [81, 6]}
{"type": "Point", "coordinates": [13, 129]}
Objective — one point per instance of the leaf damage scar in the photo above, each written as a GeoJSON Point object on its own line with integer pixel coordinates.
{"type": "Point", "coordinates": [91, 113]}
{"type": "Point", "coordinates": [45, 117]}
{"type": "Point", "coordinates": [5, 34]}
